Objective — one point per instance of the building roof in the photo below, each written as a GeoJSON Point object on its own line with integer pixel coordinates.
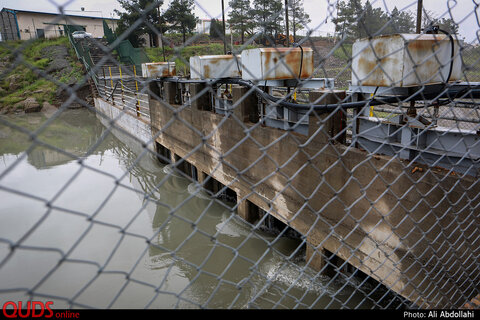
{"type": "Point", "coordinates": [56, 14]}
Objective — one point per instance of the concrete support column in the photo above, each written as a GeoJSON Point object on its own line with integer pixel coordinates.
{"type": "Point", "coordinates": [170, 91]}
{"type": "Point", "coordinates": [247, 210]}
{"type": "Point", "coordinates": [173, 157]}
{"type": "Point", "coordinates": [245, 103]}
{"type": "Point", "coordinates": [154, 89]}
{"type": "Point", "coordinates": [205, 181]}
{"type": "Point", "coordinates": [199, 100]}
{"type": "Point", "coordinates": [331, 124]}
{"type": "Point", "coordinates": [315, 257]}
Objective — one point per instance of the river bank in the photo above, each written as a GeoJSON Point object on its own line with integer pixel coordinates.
{"type": "Point", "coordinates": [36, 75]}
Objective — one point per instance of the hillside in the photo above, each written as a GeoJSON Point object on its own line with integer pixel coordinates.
{"type": "Point", "coordinates": [30, 74]}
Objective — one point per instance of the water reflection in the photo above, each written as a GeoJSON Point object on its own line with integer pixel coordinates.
{"type": "Point", "coordinates": [131, 233]}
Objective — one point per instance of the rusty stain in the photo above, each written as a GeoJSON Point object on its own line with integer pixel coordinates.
{"type": "Point", "coordinates": [401, 60]}
{"type": "Point", "coordinates": [417, 169]}
{"type": "Point", "coordinates": [289, 66]}
{"type": "Point", "coordinates": [376, 75]}
{"type": "Point", "coordinates": [423, 45]}
{"type": "Point", "coordinates": [206, 71]}
{"type": "Point", "coordinates": [165, 69]}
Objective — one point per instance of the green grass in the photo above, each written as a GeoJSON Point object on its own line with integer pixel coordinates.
{"type": "Point", "coordinates": [344, 52]}
{"type": "Point", "coordinates": [24, 80]}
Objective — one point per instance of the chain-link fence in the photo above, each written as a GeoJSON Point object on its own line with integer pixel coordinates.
{"type": "Point", "coordinates": [318, 172]}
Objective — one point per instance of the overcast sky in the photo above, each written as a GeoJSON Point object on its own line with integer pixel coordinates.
{"type": "Point", "coordinates": [462, 11]}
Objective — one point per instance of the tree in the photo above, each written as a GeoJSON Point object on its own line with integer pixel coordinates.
{"type": "Point", "coordinates": [216, 29]}
{"type": "Point", "coordinates": [133, 13]}
{"type": "Point", "coordinates": [371, 21]}
{"type": "Point", "coordinates": [181, 17]}
{"type": "Point", "coordinates": [346, 20]}
{"type": "Point", "coordinates": [401, 22]}
{"type": "Point", "coordinates": [446, 24]}
{"type": "Point", "coordinates": [355, 20]}
{"type": "Point", "coordinates": [297, 15]}
{"type": "Point", "coordinates": [240, 17]}
{"type": "Point", "coordinates": [268, 15]}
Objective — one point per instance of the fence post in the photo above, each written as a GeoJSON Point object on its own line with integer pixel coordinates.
{"type": "Point", "coordinates": [137, 103]}
{"type": "Point", "coordinates": [104, 82]}
{"type": "Point", "coordinates": [121, 86]}
{"type": "Point", "coordinates": [111, 85]}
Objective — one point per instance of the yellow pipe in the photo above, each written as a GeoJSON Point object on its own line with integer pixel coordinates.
{"type": "Point", "coordinates": [371, 107]}
{"type": "Point", "coordinates": [111, 81]}
{"type": "Point", "coordinates": [137, 106]}
{"type": "Point", "coordinates": [121, 82]}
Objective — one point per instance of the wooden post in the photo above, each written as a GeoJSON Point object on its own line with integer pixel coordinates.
{"type": "Point", "coordinates": [332, 125]}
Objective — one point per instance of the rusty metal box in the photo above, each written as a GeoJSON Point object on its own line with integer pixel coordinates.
{"type": "Point", "coordinates": [158, 69]}
{"type": "Point", "coordinates": [215, 66]}
{"type": "Point", "coordinates": [277, 63]}
{"type": "Point", "coordinates": [402, 60]}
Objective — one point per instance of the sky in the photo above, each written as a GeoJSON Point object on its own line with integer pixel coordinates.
{"type": "Point", "coordinates": [320, 11]}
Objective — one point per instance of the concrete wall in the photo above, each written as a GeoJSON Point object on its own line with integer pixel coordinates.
{"type": "Point", "coordinates": [129, 123]}
{"type": "Point", "coordinates": [29, 23]}
{"type": "Point", "coordinates": [412, 230]}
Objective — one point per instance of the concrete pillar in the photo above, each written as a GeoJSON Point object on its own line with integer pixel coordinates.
{"type": "Point", "coordinates": [154, 89]}
{"type": "Point", "coordinates": [169, 92]}
{"type": "Point", "coordinates": [331, 124]}
{"type": "Point", "coordinates": [200, 102]}
{"type": "Point", "coordinates": [247, 210]}
{"type": "Point", "coordinates": [315, 257]}
{"type": "Point", "coordinates": [204, 181]}
{"type": "Point", "coordinates": [173, 157]}
{"type": "Point", "coordinates": [246, 104]}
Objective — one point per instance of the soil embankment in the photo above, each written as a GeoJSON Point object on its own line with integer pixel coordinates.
{"type": "Point", "coordinates": [36, 75]}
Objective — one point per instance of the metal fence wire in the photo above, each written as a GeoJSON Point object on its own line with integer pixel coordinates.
{"type": "Point", "coordinates": [310, 172]}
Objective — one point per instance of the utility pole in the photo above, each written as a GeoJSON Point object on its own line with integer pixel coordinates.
{"type": "Point", "coordinates": [286, 23]}
{"type": "Point", "coordinates": [224, 34]}
{"type": "Point", "coordinates": [160, 37]}
{"type": "Point", "coordinates": [419, 15]}
{"type": "Point", "coordinates": [411, 111]}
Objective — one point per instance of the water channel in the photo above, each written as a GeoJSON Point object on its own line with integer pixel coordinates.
{"type": "Point", "coordinates": [87, 219]}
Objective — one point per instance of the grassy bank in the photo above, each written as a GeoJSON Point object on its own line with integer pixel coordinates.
{"type": "Point", "coordinates": [21, 79]}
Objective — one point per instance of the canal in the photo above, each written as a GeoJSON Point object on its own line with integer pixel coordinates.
{"type": "Point", "coordinates": [88, 219]}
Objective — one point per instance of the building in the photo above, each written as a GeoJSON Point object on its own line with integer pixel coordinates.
{"type": "Point", "coordinates": [203, 26]}
{"type": "Point", "coordinates": [24, 24]}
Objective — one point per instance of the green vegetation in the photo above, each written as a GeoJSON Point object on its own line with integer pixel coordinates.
{"type": "Point", "coordinates": [25, 80]}
{"type": "Point", "coordinates": [344, 52]}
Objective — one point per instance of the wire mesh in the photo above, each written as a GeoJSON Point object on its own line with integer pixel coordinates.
{"type": "Point", "coordinates": [332, 172]}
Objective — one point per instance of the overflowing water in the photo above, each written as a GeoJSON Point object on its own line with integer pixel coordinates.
{"type": "Point", "coordinates": [89, 220]}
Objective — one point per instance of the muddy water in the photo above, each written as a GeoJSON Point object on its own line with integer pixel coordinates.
{"type": "Point", "coordinates": [88, 220]}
